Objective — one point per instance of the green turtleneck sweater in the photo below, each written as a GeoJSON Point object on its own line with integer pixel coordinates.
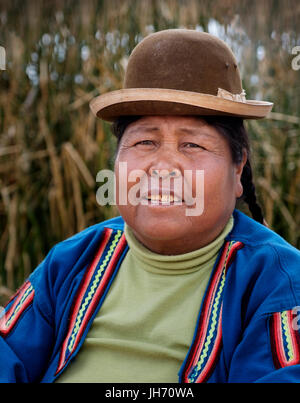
{"type": "Point", "coordinates": [146, 324]}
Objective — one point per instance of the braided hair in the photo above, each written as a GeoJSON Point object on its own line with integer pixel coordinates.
{"type": "Point", "coordinates": [234, 131]}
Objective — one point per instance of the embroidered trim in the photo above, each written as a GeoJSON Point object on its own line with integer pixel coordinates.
{"type": "Point", "coordinates": [206, 347]}
{"type": "Point", "coordinates": [285, 340]}
{"type": "Point", "coordinates": [15, 308]}
{"type": "Point", "coordinates": [93, 286]}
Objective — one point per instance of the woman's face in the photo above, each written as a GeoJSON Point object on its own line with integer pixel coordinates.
{"type": "Point", "coordinates": [206, 182]}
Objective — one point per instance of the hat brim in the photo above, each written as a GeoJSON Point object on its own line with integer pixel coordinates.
{"type": "Point", "coordinates": [160, 101]}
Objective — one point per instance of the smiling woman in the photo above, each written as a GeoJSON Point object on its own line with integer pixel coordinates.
{"type": "Point", "coordinates": [158, 294]}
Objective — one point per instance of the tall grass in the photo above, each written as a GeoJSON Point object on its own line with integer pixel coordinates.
{"type": "Point", "coordinates": [62, 54]}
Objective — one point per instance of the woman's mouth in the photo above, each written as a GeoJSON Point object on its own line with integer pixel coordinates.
{"type": "Point", "coordinates": [162, 200]}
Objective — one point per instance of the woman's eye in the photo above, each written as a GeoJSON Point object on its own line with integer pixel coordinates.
{"type": "Point", "coordinates": [145, 142]}
{"type": "Point", "coordinates": [192, 145]}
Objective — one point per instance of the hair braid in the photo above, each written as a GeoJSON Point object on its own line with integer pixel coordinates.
{"type": "Point", "coordinates": [249, 193]}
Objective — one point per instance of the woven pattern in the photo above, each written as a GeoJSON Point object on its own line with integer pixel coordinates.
{"type": "Point", "coordinates": [285, 339]}
{"type": "Point", "coordinates": [207, 344]}
{"type": "Point", "coordinates": [93, 287]}
{"type": "Point", "coordinates": [15, 308]}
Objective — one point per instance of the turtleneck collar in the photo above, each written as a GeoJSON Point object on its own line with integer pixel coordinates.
{"type": "Point", "coordinates": [176, 264]}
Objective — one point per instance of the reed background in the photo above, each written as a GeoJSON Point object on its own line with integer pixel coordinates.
{"type": "Point", "coordinates": [62, 54]}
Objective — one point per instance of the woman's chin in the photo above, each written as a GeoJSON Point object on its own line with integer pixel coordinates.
{"type": "Point", "coordinates": [160, 230]}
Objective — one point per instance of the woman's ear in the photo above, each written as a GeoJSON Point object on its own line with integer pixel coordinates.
{"type": "Point", "coordinates": [239, 171]}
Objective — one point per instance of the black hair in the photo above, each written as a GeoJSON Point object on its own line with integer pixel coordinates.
{"type": "Point", "coordinates": [233, 129]}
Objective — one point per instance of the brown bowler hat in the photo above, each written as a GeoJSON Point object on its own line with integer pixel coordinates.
{"type": "Point", "coordinates": [180, 72]}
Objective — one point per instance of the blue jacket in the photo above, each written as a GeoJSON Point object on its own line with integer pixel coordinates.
{"type": "Point", "coordinates": [248, 324]}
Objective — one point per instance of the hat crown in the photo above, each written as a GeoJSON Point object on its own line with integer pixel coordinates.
{"type": "Point", "coordinates": [180, 72]}
{"type": "Point", "coordinates": [185, 60]}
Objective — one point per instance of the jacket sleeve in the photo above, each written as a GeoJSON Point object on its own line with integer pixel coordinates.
{"type": "Point", "coordinates": [33, 324]}
{"type": "Point", "coordinates": [26, 330]}
{"type": "Point", "coordinates": [269, 351]}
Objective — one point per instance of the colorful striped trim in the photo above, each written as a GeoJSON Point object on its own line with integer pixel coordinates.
{"type": "Point", "coordinates": [93, 286]}
{"type": "Point", "coordinates": [285, 339]}
{"type": "Point", "coordinates": [205, 350]}
{"type": "Point", "coordinates": [15, 308]}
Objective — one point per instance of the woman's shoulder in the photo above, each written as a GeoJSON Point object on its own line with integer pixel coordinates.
{"type": "Point", "coordinates": [91, 233]}
{"type": "Point", "coordinates": [267, 264]}
{"type": "Point", "coordinates": [71, 256]}
{"type": "Point", "coordinates": [256, 235]}
{"type": "Point", "coordinates": [265, 245]}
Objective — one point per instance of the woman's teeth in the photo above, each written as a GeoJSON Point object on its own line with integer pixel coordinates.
{"type": "Point", "coordinates": [163, 199]}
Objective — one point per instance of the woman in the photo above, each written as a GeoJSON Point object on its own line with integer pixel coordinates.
{"type": "Point", "coordinates": [167, 292]}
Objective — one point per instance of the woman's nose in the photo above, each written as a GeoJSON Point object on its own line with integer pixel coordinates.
{"type": "Point", "coordinates": [164, 173]}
